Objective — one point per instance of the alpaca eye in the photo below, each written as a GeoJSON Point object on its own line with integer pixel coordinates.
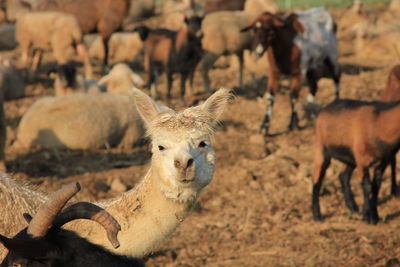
{"type": "Point", "coordinates": [161, 148]}
{"type": "Point", "coordinates": [202, 144]}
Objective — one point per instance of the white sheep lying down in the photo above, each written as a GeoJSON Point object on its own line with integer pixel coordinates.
{"type": "Point", "coordinates": [80, 121]}
{"type": "Point", "coordinates": [119, 80]}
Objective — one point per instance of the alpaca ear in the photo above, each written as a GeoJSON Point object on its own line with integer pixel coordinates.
{"type": "Point", "coordinates": [145, 105]}
{"type": "Point", "coordinates": [217, 102]}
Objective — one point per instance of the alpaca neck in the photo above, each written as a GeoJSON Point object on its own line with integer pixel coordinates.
{"type": "Point", "coordinates": [146, 217]}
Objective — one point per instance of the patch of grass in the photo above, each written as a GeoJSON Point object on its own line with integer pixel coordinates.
{"type": "Point", "coordinates": [288, 4]}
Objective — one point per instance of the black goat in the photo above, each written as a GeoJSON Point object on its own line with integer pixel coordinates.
{"type": "Point", "coordinates": [39, 245]}
{"type": "Point", "coordinates": [175, 52]}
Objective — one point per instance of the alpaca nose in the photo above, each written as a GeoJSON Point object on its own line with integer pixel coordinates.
{"type": "Point", "coordinates": [183, 164]}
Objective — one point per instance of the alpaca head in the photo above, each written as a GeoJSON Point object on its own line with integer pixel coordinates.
{"type": "Point", "coordinates": [183, 156]}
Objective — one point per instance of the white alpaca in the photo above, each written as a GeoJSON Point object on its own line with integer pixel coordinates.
{"type": "Point", "coordinates": [182, 165]}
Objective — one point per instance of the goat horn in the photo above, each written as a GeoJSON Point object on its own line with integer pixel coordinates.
{"type": "Point", "coordinates": [48, 211]}
{"type": "Point", "coordinates": [86, 210]}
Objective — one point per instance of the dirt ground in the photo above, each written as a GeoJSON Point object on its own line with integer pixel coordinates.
{"type": "Point", "coordinates": [256, 212]}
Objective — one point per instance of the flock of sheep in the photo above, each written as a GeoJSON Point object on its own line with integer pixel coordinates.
{"type": "Point", "coordinates": [302, 45]}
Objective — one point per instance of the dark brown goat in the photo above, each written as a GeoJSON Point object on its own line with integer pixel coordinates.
{"type": "Point", "coordinates": [219, 5]}
{"type": "Point", "coordinates": [102, 16]}
{"type": "Point", "coordinates": [361, 135]}
{"type": "Point", "coordinates": [44, 243]}
{"type": "Point", "coordinates": [175, 52]}
{"type": "Point", "coordinates": [302, 44]}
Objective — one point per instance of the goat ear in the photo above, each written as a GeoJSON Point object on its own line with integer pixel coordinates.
{"type": "Point", "coordinates": [145, 105]}
{"type": "Point", "coordinates": [217, 102]}
{"type": "Point", "coordinates": [293, 19]}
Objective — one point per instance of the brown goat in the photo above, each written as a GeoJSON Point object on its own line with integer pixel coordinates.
{"type": "Point", "coordinates": [102, 16]}
{"type": "Point", "coordinates": [301, 45]}
{"type": "Point", "coordinates": [361, 135]}
{"type": "Point", "coordinates": [176, 52]}
{"type": "Point", "coordinates": [219, 5]}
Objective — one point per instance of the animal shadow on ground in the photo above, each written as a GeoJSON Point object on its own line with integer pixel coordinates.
{"type": "Point", "coordinates": [63, 163]}
{"type": "Point", "coordinates": [352, 69]}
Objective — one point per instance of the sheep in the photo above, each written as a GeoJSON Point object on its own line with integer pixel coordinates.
{"type": "Point", "coordinates": [103, 16]}
{"type": "Point", "coordinates": [361, 135]}
{"type": "Point", "coordinates": [183, 161]}
{"type": "Point", "coordinates": [16, 8]}
{"type": "Point", "coordinates": [123, 46]}
{"type": "Point", "coordinates": [301, 45]}
{"type": "Point", "coordinates": [11, 83]}
{"type": "Point", "coordinates": [44, 241]}
{"type": "Point", "coordinates": [220, 5]}
{"type": "Point", "coordinates": [118, 80]}
{"type": "Point", "coordinates": [222, 36]}
{"type": "Point", "coordinates": [174, 51]}
{"type": "Point", "coordinates": [257, 7]}
{"type": "Point", "coordinates": [80, 121]}
{"type": "Point", "coordinates": [51, 30]}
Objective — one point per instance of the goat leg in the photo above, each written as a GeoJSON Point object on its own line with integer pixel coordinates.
{"type": "Point", "coordinates": [321, 163]}
{"type": "Point", "coordinates": [267, 118]}
{"type": "Point", "coordinates": [367, 192]}
{"type": "Point", "coordinates": [294, 119]}
{"type": "Point", "coordinates": [184, 76]}
{"type": "Point", "coordinates": [376, 184]}
{"type": "Point", "coordinates": [344, 178]}
{"type": "Point", "coordinates": [393, 189]}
